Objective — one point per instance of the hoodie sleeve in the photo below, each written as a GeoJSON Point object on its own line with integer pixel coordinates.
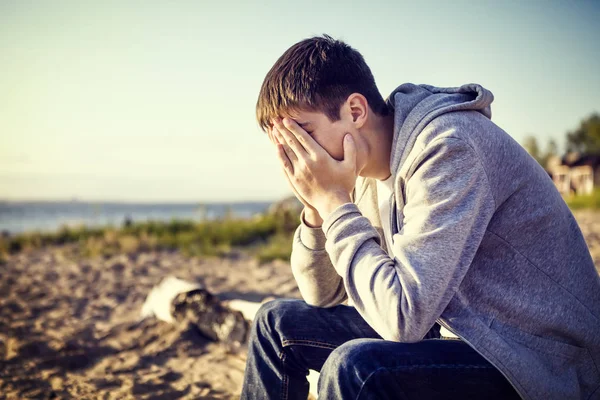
{"type": "Point", "coordinates": [318, 282]}
{"type": "Point", "coordinates": [448, 207]}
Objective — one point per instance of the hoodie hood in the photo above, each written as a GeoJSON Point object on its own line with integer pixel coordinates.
{"type": "Point", "coordinates": [415, 106]}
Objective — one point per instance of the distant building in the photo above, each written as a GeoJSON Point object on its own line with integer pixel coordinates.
{"type": "Point", "coordinates": [575, 173]}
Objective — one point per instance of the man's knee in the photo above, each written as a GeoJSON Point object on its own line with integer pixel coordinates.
{"type": "Point", "coordinates": [347, 365]}
{"type": "Point", "coordinates": [277, 315]}
{"type": "Point", "coordinates": [352, 366]}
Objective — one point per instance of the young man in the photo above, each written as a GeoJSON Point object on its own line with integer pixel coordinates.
{"type": "Point", "coordinates": [422, 213]}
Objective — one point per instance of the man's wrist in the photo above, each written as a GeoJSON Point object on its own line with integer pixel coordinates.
{"type": "Point", "coordinates": [334, 202]}
{"type": "Point", "coordinates": [312, 218]}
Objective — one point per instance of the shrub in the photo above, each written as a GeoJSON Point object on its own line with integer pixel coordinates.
{"type": "Point", "coordinates": [590, 201]}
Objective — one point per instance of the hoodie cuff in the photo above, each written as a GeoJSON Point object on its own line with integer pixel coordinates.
{"type": "Point", "coordinates": [312, 238]}
{"type": "Point", "coordinates": [338, 213]}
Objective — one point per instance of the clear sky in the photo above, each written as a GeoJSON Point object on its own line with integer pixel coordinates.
{"type": "Point", "coordinates": [154, 101]}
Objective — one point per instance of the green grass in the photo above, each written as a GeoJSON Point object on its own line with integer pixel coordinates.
{"type": "Point", "coordinates": [278, 247]}
{"type": "Point", "coordinates": [578, 202]}
{"type": "Point", "coordinates": [267, 236]}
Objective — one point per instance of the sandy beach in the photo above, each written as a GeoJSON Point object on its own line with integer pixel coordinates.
{"type": "Point", "coordinates": [69, 328]}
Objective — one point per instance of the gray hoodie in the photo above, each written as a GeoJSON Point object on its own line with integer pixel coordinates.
{"type": "Point", "coordinates": [483, 244]}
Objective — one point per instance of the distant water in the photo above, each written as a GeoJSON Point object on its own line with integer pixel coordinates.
{"type": "Point", "coordinates": [18, 217]}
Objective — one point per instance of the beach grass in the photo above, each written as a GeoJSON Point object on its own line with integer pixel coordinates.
{"type": "Point", "coordinates": [266, 236]}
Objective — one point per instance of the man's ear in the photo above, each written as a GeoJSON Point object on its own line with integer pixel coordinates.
{"type": "Point", "coordinates": [359, 109]}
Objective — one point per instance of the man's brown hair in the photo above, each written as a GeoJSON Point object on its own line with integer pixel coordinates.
{"type": "Point", "coordinates": [316, 74]}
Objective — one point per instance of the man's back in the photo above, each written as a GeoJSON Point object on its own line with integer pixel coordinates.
{"type": "Point", "coordinates": [530, 301]}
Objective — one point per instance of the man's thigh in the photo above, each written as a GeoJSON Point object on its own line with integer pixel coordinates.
{"type": "Point", "coordinates": [429, 369]}
{"type": "Point", "coordinates": [309, 334]}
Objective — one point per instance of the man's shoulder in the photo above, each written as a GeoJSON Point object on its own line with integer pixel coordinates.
{"type": "Point", "coordinates": [456, 125]}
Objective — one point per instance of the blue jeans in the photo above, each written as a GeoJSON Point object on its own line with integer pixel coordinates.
{"type": "Point", "coordinates": [289, 337]}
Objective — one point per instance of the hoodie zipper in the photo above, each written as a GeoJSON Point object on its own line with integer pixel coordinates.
{"type": "Point", "coordinates": [439, 321]}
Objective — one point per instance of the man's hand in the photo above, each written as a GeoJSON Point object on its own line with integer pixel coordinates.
{"type": "Point", "coordinates": [311, 215]}
{"type": "Point", "coordinates": [317, 177]}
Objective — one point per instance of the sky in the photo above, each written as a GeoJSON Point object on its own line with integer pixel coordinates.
{"type": "Point", "coordinates": [155, 101]}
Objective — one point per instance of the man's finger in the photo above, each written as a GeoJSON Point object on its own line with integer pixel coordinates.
{"type": "Point", "coordinates": [288, 151]}
{"type": "Point", "coordinates": [288, 166]}
{"type": "Point", "coordinates": [271, 131]}
{"type": "Point", "coordinates": [290, 177]}
{"type": "Point", "coordinates": [304, 139]}
{"type": "Point", "coordinates": [270, 134]}
{"type": "Point", "coordinates": [276, 136]}
{"type": "Point", "coordinates": [349, 150]}
{"type": "Point", "coordinates": [290, 138]}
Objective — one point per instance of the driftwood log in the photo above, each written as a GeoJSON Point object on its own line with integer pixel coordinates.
{"type": "Point", "coordinates": [228, 321]}
{"type": "Point", "coordinates": [213, 319]}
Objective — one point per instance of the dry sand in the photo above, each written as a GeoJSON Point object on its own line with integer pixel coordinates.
{"type": "Point", "coordinates": [70, 329]}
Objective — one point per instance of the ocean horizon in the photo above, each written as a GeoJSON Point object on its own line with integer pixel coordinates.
{"type": "Point", "coordinates": [47, 216]}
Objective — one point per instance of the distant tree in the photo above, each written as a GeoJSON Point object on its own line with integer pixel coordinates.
{"type": "Point", "coordinates": [586, 138]}
{"type": "Point", "coordinates": [531, 145]}
{"type": "Point", "coordinates": [551, 150]}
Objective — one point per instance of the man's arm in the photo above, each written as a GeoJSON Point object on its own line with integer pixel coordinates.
{"type": "Point", "coordinates": [318, 282]}
{"type": "Point", "coordinates": [448, 207]}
